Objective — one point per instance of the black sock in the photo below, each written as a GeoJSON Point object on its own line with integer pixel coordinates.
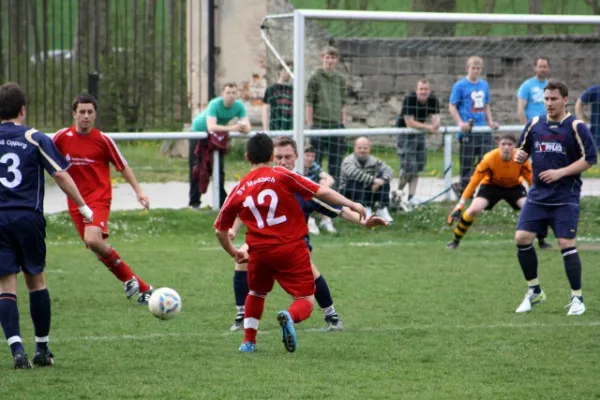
{"type": "Point", "coordinates": [240, 288]}
{"type": "Point", "coordinates": [528, 261]}
{"type": "Point", "coordinates": [9, 319]}
{"type": "Point", "coordinates": [41, 315]}
{"type": "Point", "coordinates": [572, 267]}
{"type": "Point", "coordinates": [322, 294]}
{"type": "Point", "coordinates": [410, 196]}
{"type": "Point", "coordinates": [541, 239]}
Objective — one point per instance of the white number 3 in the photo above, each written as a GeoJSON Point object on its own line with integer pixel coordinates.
{"type": "Point", "coordinates": [13, 168]}
{"type": "Point", "coordinates": [271, 219]}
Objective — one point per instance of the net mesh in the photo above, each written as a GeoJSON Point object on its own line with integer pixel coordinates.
{"type": "Point", "coordinates": [375, 78]}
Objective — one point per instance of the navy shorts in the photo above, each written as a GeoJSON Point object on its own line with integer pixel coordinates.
{"type": "Point", "coordinates": [22, 242]}
{"type": "Point", "coordinates": [562, 219]}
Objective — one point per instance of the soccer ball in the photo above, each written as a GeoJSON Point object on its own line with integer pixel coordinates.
{"type": "Point", "coordinates": [164, 303]}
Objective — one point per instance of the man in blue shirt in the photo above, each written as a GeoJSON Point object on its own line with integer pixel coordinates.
{"type": "Point", "coordinates": [592, 97]}
{"type": "Point", "coordinates": [216, 118]}
{"type": "Point", "coordinates": [470, 106]}
{"type": "Point", "coordinates": [24, 154]}
{"type": "Point", "coordinates": [561, 148]}
{"type": "Point", "coordinates": [530, 96]}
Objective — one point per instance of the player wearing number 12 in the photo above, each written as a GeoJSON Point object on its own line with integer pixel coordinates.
{"type": "Point", "coordinates": [24, 154]}
{"type": "Point", "coordinates": [265, 202]}
{"type": "Point", "coordinates": [90, 152]}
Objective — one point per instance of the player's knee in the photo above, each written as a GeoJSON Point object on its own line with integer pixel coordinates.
{"type": "Point", "coordinates": [474, 211]}
{"type": "Point", "coordinates": [8, 284]}
{"type": "Point", "coordinates": [35, 282]}
{"type": "Point", "coordinates": [94, 243]}
{"type": "Point", "coordinates": [241, 267]}
{"type": "Point", "coordinates": [315, 271]}
{"type": "Point", "coordinates": [524, 238]}
{"type": "Point", "coordinates": [566, 243]}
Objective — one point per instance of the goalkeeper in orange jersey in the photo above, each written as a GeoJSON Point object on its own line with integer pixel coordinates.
{"type": "Point", "coordinates": [498, 178]}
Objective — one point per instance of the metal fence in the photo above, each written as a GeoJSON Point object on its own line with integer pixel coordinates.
{"type": "Point", "coordinates": [130, 54]}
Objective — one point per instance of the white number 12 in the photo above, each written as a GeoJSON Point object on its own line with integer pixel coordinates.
{"type": "Point", "coordinates": [271, 219]}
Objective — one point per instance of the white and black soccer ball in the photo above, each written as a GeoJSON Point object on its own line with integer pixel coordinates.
{"type": "Point", "coordinates": [164, 303]}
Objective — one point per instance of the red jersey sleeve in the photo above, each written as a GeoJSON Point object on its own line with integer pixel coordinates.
{"type": "Point", "coordinates": [298, 184]}
{"type": "Point", "coordinates": [57, 136]}
{"type": "Point", "coordinates": [228, 212]}
{"type": "Point", "coordinates": [113, 154]}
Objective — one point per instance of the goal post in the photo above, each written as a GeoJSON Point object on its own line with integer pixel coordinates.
{"type": "Point", "coordinates": [381, 62]}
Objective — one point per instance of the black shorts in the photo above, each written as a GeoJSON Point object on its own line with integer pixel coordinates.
{"type": "Point", "coordinates": [493, 194]}
{"type": "Point", "coordinates": [22, 242]}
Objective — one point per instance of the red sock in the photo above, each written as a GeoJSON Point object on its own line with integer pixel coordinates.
{"type": "Point", "coordinates": [121, 270]}
{"type": "Point", "coordinates": [300, 310]}
{"type": "Point", "coordinates": [255, 303]}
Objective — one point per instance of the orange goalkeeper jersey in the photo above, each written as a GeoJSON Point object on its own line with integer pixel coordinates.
{"type": "Point", "coordinates": [492, 170]}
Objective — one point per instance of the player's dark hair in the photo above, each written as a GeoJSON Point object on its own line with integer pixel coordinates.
{"type": "Point", "coordinates": [229, 84]}
{"type": "Point", "coordinates": [541, 58]}
{"type": "Point", "coordinates": [85, 99]}
{"type": "Point", "coordinates": [12, 100]}
{"type": "Point", "coordinates": [283, 141]}
{"type": "Point", "coordinates": [330, 51]}
{"type": "Point", "coordinates": [259, 149]}
{"type": "Point", "coordinates": [507, 136]}
{"type": "Point", "coordinates": [310, 149]}
{"type": "Point", "coordinates": [558, 85]}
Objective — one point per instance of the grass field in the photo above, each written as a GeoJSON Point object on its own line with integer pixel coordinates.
{"type": "Point", "coordinates": [421, 322]}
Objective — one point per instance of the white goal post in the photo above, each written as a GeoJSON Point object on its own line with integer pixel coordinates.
{"type": "Point", "coordinates": [302, 23]}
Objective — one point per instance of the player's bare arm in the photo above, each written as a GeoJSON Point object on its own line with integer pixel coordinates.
{"type": "Point", "coordinates": [553, 175]}
{"type": "Point", "coordinates": [521, 156]}
{"type": "Point", "coordinates": [488, 117]}
{"type": "Point", "coordinates": [580, 110]}
{"type": "Point", "coordinates": [332, 197]}
{"type": "Point", "coordinates": [233, 231]}
{"type": "Point", "coordinates": [521, 104]}
{"type": "Point", "coordinates": [225, 242]}
{"type": "Point", "coordinates": [369, 223]}
{"type": "Point", "coordinates": [66, 184]}
{"type": "Point", "coordinates": [129, 176]}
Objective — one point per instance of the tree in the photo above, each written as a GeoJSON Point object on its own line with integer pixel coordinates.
{"type": "Point", "coordinates": [435, 28]}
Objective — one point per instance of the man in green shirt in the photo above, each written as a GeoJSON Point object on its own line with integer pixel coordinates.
{"type": "Point", "coordinates": [326, 109]}
{"type": "Point", "coordinates": [216, 118]}
{"type": "Point", "coordinates": [278, 101]}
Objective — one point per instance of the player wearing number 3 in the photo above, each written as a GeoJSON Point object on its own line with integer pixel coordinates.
{"type": "Point", "coordinates": [265, 202]}
{"type": "Point", "coordinates": [24, 153]}
{"type": "Point", "coordinates": [90, 152]}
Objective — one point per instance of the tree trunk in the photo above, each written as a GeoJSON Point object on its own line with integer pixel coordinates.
{"type": "Point", "coordinates": [429, 29]}
{"type": "Point", "coordinates": [535, 7]}
{"type": "Point", "coordinates": [45, 27]}
{"type": "Point", "coordinates": [37, 46]}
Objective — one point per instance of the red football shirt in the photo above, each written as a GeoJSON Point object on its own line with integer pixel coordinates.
{"type": "Point", "coordinates": [90, 155]}
{"type": "Point", "coordinates": [265, 201]}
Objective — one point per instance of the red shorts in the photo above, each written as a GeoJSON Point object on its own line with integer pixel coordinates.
{"type": "Point", "coordinates": [289, 265]}
{"type": "Point", "coordinates": [101, 214]}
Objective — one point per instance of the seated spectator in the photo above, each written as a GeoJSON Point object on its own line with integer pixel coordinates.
{"type": "Point", "coordinates": [366, 179]}
{"type": "Point", "coordinates": [314, 172]}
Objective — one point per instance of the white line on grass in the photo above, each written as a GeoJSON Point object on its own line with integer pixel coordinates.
{"type": "Point", "coordinates": [383, 329]}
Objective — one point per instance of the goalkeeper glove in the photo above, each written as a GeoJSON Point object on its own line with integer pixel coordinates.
{"type": "Point", "coordinates": [455, 214]}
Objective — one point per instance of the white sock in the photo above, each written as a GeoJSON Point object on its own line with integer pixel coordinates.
{"type": "Point", "coordinates": [329, 311]}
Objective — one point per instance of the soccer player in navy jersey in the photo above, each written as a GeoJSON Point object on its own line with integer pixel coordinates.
{"type": "Point", "coordinates": [561, 148]}
{"type": "Point", "coordinates": [285, 154]}
{"type": "Point", "coordinates": [24, 154]}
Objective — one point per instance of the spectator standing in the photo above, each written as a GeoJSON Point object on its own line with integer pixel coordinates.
{"type": "Point", "coordinates": [530, 96]}
{"type": "Point", "coordinates": [278, 113]}
{"type": "Point", "coordinates": [592, 97]}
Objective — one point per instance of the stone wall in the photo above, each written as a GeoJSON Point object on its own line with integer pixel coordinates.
{"type": "Point", "coordinates": [381, 72]}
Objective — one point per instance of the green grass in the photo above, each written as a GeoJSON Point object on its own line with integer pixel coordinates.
{"type": "Point", "coordinates": [421, 322]}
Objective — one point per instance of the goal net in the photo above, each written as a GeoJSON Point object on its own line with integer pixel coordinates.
{"type": "Point", "coordinates": [380, 75]}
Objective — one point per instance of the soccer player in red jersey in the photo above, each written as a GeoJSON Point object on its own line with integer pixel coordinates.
{"type": "Point", "coordinates": [265, 202]}
{"type": "Point", "coordinates": [90, 152]}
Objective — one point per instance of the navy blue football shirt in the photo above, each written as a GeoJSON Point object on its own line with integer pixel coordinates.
{"type": "Point", "coordinates": [24, 154]}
